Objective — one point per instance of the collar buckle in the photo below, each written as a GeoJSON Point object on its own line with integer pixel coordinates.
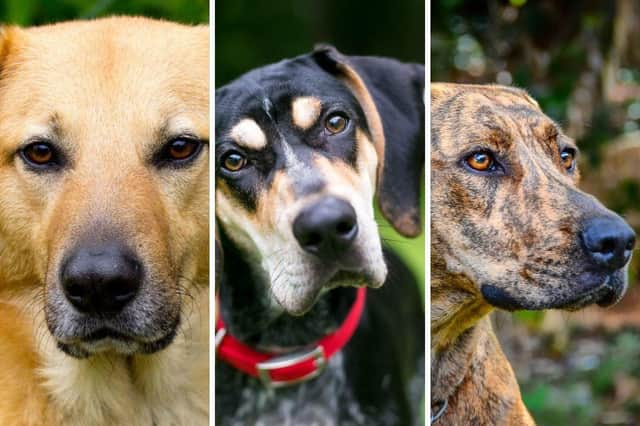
{"type": "Point", "coordinates": [266, 367]}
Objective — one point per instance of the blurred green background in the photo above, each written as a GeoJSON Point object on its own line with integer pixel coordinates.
{"type": "Point", "coordinates": [37, 12]}
{"type": "Point", "coordinates": [254, 33]}
{"type": "Point", "coordinates": [250, 33]}
{"type": "Point", "coordinates": [581, 61]}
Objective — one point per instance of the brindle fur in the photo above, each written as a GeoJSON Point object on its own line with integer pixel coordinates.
{"type": "Point", "coordinates": [499, 241]}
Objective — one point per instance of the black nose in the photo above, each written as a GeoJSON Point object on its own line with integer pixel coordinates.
{"type": "Point", "coordinates": [609, 241]}
{"type": "Point", "coordinates": [101, 278]}
{"type": "Point", "coordinates": [326, 228]}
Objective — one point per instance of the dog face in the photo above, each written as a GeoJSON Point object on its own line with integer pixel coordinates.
{"type": "Point", "coordinates": [300, 146]}
{"type": "Point", "coordinates": [506, 213]}
{"type": "Point", "coordinates": [104, 176]}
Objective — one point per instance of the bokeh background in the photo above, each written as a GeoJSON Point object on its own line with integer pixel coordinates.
{"type": "Point", "coordinates": [252, 33]}
{"type": "Point", "coordinates": [38, 12]}
{"type": "Point", "coordinates": [581, 61]}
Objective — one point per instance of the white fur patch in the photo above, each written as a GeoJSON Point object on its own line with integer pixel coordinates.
{"type": "Point", "coordinates": [305, 111]}
{"type": "Point", "coordinates": [248, 133]}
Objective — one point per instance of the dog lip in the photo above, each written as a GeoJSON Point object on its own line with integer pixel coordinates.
{"type": "Point", "coordinates": [594, 295]}
{"type": "Point", "coordinates": [355, 276]}
{"type": "Point", "coordinates": [592, 288]}
{"type": "Point", "coordinates": [341, 278]}
{"type": "Point", "coordinates": [499, 298]}
{"type": "Point", "coordinates": [106, 333]}
{"type": "Point", "coordinates": [76, 346]}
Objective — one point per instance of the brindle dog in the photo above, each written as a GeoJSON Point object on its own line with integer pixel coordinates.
{"type": "Point", "coordinates": [301, 147]}
{"type": "Point", "coordinates": [510, 230]}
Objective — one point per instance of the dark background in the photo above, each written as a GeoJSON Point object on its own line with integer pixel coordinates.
{"type": "Point", "coordinates": [250, 33]}
{"type": "Point", "coordinates": [581, 61]}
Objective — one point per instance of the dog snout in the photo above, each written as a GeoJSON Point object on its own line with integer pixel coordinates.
{"type": "Point", "coordinates": [101, 278]}
{"type": "Point", "coordinates": [326, 228]}
{"type": "Point", "coordinates": [608, 241]}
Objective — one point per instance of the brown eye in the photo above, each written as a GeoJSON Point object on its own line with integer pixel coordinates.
{"type": "Point", "coordinates": [481, 161]}
{"type": "Point", "coordinates": [39, 154]}
{"type": "Point", "coordinates": [234, 161]}
{"type": "Point", "coordinates": [568, 157]}
{"type": "Point", "coordinates": [182, 149]}
{"type": "Point", "coordinates": [336, 123]}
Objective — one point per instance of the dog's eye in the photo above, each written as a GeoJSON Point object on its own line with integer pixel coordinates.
{"type": "Point", "coordinates": [234, 161]}
{"type": "Point", "coordinates": [39, 154]}
{"type": "Point", "coordinates": [336, 123]}
{"type": "Point", "coordinates": [481, 161]}
{"type": "Point", "coordinates": [568, 158]}
{"type": "Point", "coordinates": [182, 149]}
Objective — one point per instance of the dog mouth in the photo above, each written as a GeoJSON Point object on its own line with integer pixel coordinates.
{"type": "Point", "coordinates": [603, 295]}
{"type": "Point", "coordinates": [587, 289]}
{"type": "Point", "coordinates": [118, 340]}
{"type": "Point", "coordinates": [299, 299]}
{"type": "Point", "coordinates": [609, 292]}
{"type": "Point", "coordinates": [346, 278]}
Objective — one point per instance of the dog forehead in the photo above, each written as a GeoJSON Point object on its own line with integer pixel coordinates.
{"type": "Point", "coordinates": [297, 87]}
{"type": "Point", "coordinates": [111, 59]}
{"type": "Point", "coordinates": [106, 76]}
{"type": "Point", "coordinates": [495, 113]}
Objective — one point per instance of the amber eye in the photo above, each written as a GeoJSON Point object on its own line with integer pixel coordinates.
{"type": "Point", "coordinates": [234, 161]}
{"type": "Point", "coordinates": [182, 149]}
{"type": "Point", "coordinates": [568, 157]}
{"type": "Point", "coordinates": [481, 161]}
{"type": "Point", "coordinates": [39, 154]}
{"type": "Point", "coordinates": [336, 123]}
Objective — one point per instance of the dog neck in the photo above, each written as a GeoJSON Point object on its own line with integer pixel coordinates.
{"type": "Point", "coordinates": [456, 306]}
{"type": "Point", "coordinates": [468, 367]}
{"type": "Point", "coordinates": [249, 315]}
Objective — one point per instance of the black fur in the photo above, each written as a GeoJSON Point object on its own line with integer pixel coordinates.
{"type": "Point", "coordinates": [397, 89]}
{"type": "Point", "coordinates": [377, 379]}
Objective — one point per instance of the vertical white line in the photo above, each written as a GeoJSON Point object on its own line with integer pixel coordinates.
{"type": "Point", "coordinates": [427, 197]}
{"type": "Point", "coordinates": [212, 215]}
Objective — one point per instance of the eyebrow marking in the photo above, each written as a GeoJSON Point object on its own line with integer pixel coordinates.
{"type": "Point", "coordinates": [248, 134]}
{"type": "Point", "coordinates": [305, 111]}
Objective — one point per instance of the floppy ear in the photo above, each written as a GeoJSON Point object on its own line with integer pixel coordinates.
{"type": "Point", "coordinates": [391, 94]}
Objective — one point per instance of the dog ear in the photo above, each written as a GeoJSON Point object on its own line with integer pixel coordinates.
{"type": "Point", "coordinates": [391, 94]}
{"type": "Point", "coordinates": [9, 35]}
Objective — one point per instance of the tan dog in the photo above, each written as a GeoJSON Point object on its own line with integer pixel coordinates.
{"type": "Point", "coordinates": [509, 230]}
{"type": "Point", "coordinates": [104, 130]}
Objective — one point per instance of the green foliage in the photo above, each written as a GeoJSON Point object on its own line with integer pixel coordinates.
{"type": "Point", "coordinates": [34, 12]}
{"type": "Point", "coordinates": [587, 395]}
{"type": "Point", "coordinates": [533, 319]}
{"type": "Point", "coordinates": [626, 196]}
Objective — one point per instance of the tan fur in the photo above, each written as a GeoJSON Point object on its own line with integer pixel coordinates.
{"type": "Point", "coordinates": [354, 82]}
{"type": "Point", "coordinates": [248, 134]}
{"type": "Point", "coordinates": [305, 111]}
{"type": "Point", "coordinates": [107, 91]}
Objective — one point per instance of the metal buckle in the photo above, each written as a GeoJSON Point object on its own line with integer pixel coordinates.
{"type": "Point", "coordinates": [264, 368]}
{"type": "Point", "coordinates": [219, 336]}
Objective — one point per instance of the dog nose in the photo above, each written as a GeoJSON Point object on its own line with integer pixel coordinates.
{"type": "Point", "coordinates": [101, 278]}
{"type": "Point", "coordinates": [326, 228]}
{"type": "Point", "coordinates": [609, 241]}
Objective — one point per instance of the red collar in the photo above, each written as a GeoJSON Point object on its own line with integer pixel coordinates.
{"type": "Point", "coordinates": [281, 370]}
